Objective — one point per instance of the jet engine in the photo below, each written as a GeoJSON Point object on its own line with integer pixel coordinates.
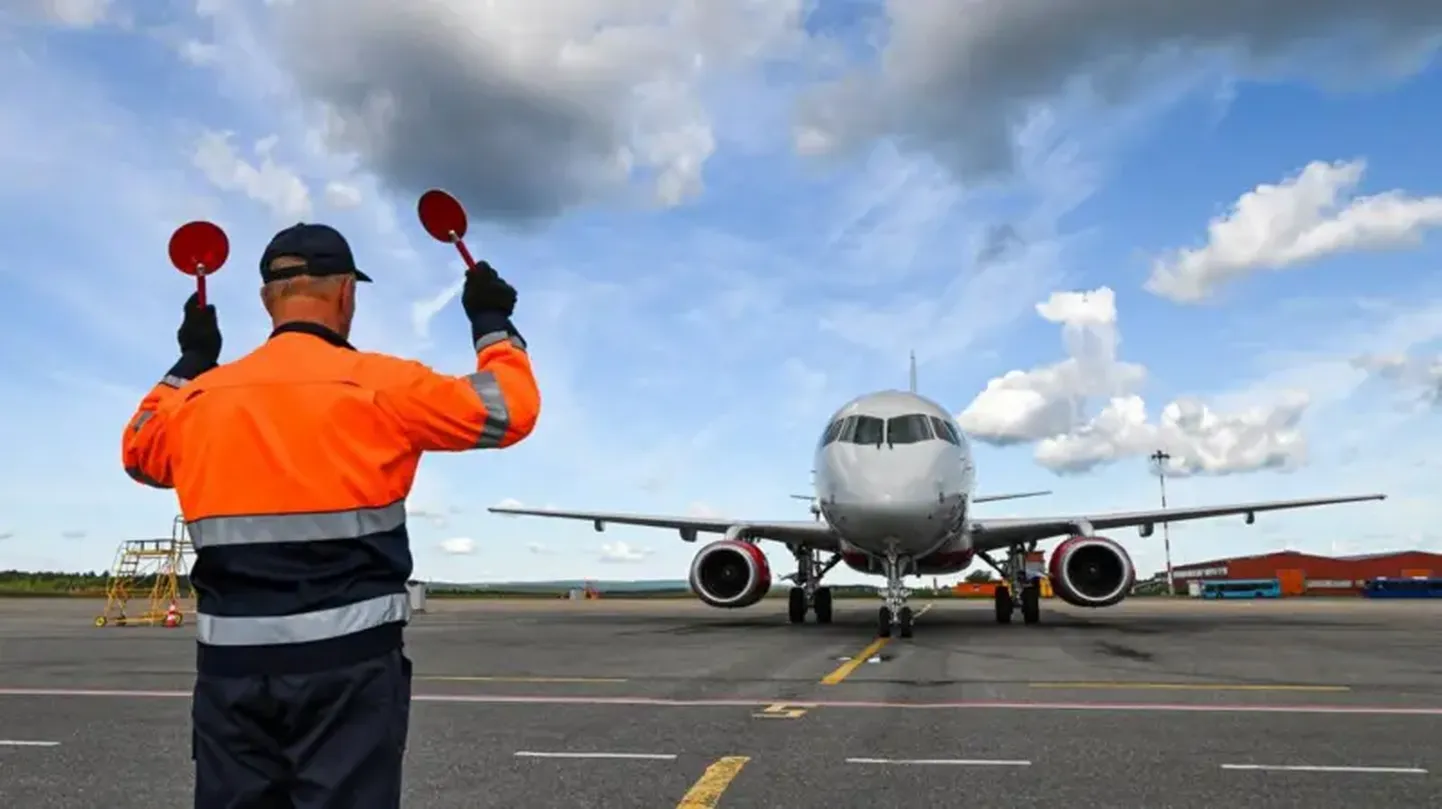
{"type": "Point", "coordinates": [1091, 572]}
{"type": "Point", "coordinates": [730, 573]}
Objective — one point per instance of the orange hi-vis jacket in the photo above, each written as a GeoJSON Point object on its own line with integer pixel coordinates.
{"type": "Point", "coordinates": [292, 465]}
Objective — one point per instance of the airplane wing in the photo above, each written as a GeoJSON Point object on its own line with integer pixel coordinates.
{"type": "Point", "coordinates": [990, 534]}
{"type": "Point", "coordinates": [992, 498]}
{"type": "Point", "coordinates": [811, 533]}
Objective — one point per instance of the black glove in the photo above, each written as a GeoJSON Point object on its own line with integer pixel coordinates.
{"type": "Point", "coordinates": [199, 338]}
{"type": "Point", "coordinates": [489, 302]}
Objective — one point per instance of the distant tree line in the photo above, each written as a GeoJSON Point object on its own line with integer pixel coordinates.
{"type": "Point", "coordinates": [59, 583]}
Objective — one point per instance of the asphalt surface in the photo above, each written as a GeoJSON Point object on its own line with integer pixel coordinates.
{"type": "Point", "coordinates": [631, 704]}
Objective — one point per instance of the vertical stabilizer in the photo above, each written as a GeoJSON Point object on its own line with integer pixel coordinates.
{"type": "Point", "coordinates": [913, 372]}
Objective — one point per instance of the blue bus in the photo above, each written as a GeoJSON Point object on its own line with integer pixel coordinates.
{"type": "Point", "coordinates": [1242, 588]}
{"type": "Point", "coordinates": [1402, 588]}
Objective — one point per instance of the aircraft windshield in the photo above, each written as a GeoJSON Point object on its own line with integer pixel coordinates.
{"type": "Point", "coordinates": [868, 431]}
{"type": "Point", "coordinates": [908, 430]}
{"type": "Point", "coordinates": [946, 431]}
{"type": "Point", "coordinates": [833, 431]}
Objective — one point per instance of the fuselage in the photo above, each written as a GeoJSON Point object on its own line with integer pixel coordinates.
{"type": "Point", "coordinates": [893, 472]}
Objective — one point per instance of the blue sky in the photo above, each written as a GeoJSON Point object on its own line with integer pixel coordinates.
{"type": "Point", "coordinates": [725, 222]}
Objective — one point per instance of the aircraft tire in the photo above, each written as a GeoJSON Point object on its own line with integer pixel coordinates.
{"type": "Point", "coordinates": [883, 623]}
{"type": "Point", "coordinates": [823, 605]}
{"type": "Point", "coordinates": [796, 605]}
{"type": "Point", "coordinates": [1031, 604]}
{"type": "Point", "coordinates": [1003, 605]}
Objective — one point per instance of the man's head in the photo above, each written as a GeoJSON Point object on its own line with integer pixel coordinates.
{"type": "Point", "coordinates": [308, 273]}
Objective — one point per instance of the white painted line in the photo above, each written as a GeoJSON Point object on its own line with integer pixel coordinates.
{"type": "Point", "coordinates": [1320, 768]}
{"type": "Point", "coordinates": [957, 762]}
{"type": "Point", "coordinates": [635, 756]}
{"type": "Point", "coordinates": [26, 743]}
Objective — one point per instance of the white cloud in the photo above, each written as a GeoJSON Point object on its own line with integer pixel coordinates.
{"type": "Point", "coordinates": [73, 533]}
{"type": "Point", "coordinates": [1306, 217]}
{"type": "Point", "coordinates": [619, 552]}
{"type": "Point", "coordinates": [423, 311]}
{"type": "Point", "coordinates": [6, 534]}
{"type": "Point", "coordinates": [1026, 406]}
{"type": "Point", "coordinates": [71, 13]}
{"type": "Point", "coordinates": [199, 53]}
{"type": "Point", "coordinates": [1048, 406]}
{"type": "Point", "coordinates": [538, 549]}
{"type": "Point", "coordinates": [342, 195]}
{"type": "Point", "coordinates": [271, 184]}
{"type": "Point", "coordinates": [459, 546]}
{"type": "Point", "coordinates": [1421, 376]}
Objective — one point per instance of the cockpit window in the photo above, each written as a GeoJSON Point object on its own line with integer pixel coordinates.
{"type": "Point", "coordinates": [946, 431]}
{"type": "Point", "coordinates": [908, 429]}
{"type": "Point", "coordinates": [833, 431]}
{"type": "Point", "coordinates": [868, 430]}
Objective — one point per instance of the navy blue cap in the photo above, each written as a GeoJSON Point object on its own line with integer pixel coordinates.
{"type": "Point", "coordinates": [321, 247]}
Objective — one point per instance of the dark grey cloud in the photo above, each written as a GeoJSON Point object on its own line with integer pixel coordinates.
{"type": "Point", "coordinates": [524, 112]}
{"type": "Point", "coordinates": [957, 84]}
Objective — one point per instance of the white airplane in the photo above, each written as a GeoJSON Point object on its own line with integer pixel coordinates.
{"type": "Point", "coordinates": [893, 494]}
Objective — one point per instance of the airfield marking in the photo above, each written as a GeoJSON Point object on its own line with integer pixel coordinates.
{"type": "Point", "coordinates": [959, 705]}
{"type": "Point", "coordinates": [1319, 768]}
{"type": "Point", "coordinates": [707, 791]}
{"type": "Point", "coordinates": [780, 710]}
{"type": "Point", "coordinates": [956, 762]}
{"type": "Point", "coordinates": [844, 670]}
{"type": "Point", "coordinates": [490, 679]}
{"type": "Point", "coordinates": [609, 756]}
{"type": "Point", "coordinates": [1122, 685]}
{"type": "Point", "coordinates": [26, 743]}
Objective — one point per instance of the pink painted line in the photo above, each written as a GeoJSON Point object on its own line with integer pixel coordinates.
{"type": "Point", "coordinates": [662, 702]}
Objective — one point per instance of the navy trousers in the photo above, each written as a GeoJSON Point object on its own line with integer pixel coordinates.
{"type": "Point", "coordinates": [333, 739]}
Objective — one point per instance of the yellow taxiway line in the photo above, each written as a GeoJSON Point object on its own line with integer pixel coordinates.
{"type": "Point", "coordinates": [844, 670]}
{"type": "Point", "coordinates": [707, 791]}
{"type": "Point", "coordinates": [1122, 685]}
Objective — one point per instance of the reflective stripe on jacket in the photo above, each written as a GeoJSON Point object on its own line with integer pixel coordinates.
{"type": "Point", "coordinates": [292, 466]}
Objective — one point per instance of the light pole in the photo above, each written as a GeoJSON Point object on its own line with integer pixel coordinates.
{"type": "Point", "coordinates": [1160, 458]}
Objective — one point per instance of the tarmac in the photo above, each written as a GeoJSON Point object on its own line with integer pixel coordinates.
{"type": "Point", "coordinates": [659, 704]}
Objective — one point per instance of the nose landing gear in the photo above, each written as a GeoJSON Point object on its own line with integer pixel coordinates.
{"type": "Point", "coordinates": [895, 614]}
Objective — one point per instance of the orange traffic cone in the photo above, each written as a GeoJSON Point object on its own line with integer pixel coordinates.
{"type": "Point", "coordinates": [172, 615]}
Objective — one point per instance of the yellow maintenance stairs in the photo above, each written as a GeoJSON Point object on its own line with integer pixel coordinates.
{"type": "Point", "coordinates": [151, 568]}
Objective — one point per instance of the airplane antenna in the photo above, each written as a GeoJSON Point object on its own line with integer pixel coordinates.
{"type": "Point", "coordinates": [913, 372]}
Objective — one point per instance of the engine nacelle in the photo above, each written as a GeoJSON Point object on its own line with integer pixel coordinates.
{"type": "Point", "coordinates": [730, 574]}
{"type": "Point", "coordinates": [1091, 572]}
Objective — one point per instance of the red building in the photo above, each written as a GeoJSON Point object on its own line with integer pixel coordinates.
{"type": "Point", "coordinates": [1305, 573]}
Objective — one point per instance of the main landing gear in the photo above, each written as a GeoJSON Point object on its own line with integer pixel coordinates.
{"type": "Point", "coordinates": [808, 592]}
{"type": "Point", "coordinates": [1018, 591]}
{"type": "Point", "coordinates": [895, 614]}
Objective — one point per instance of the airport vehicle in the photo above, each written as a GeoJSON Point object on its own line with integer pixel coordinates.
{"type": "Point", "coordinates": [894, 489]}
{"type": "Point", "coordinates": [1242, 588]}
{"type": "Point", "coordinates": [1403, 588]}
